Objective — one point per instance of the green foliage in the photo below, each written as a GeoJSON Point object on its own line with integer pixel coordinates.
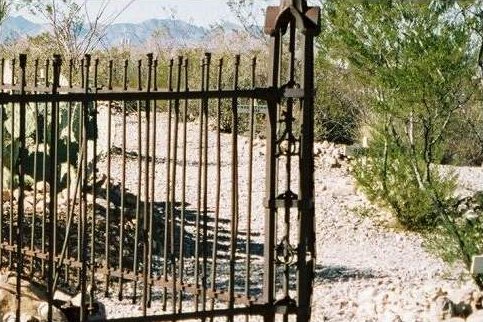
{"type": "Point", "coordinates": [4, 6]}
{"type": "Point", "coordinates": [459, 232]}
{"type": "Point", "coordinates": [37, 122]}
{"type": "Point", "coordinates": [416, 66]}
{"type": "Point", "coordinates": [387, 176]}
{"type": "Point", "coordinates": [420, 92]}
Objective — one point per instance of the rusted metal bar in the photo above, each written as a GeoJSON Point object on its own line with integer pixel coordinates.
{"type": "Point", "coordinates": [35, 174]}
{"type": "Point", "coordinates": [306, 250]}
{"type": "Point", "coordinates": [44, 168]}
{"type": "Point", "coordinates": [123, 185]}
{"type": "Point", "coordinates": [183, 186]}
{"type": "Point", "coordinates": [81, 173]}
{"type": "Point", "coordinates": [12, 167]}
{"type": "Point", "coordinates": [139, 184]}
{"type": "Point", "coordinates": [218, 185]}
{"type": "Point", "coordinates": [152, 180]}
{"type": "Point", "coordinates": [199, 191]}
{"type": "Point", "coordinates": [234, 188]}
{"type": "Point", "coordinates": [167, 206]}
{"type": "Point", "coordinates": [251, 131]}
{"type": "Point", "coordinates": [172, 258]}
{"type": "Point", "coordinates": [204, 250]}
{"type": "Point", "coordinates": [70, 210]}
{"type": "Point", "coordinates": [21, 164]}
{"type": "Point", "coordinates": [147, 214]}
{"type": "Point", "coordinates": [84, 223]}
{"type": "Point", "coordinates": [52, 182]}
{"type": "Point", "coordinates": [289, 139]}
{"type": "Point", "coordinates": [107, 252]}
{"type": "Point", "coordinates": [92, 262]}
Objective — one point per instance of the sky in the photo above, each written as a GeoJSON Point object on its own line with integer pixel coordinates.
{"type": "Point", "coordinates": [199, 12]}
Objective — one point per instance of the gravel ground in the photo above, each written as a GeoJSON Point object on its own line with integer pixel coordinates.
{"type": "Point", "coordinates": [365, 271]}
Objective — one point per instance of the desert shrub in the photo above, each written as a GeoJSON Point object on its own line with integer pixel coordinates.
{"type": "Point", "coordinates": [458, 235]}
{"type": "Point", "coordinates": [390, 176]}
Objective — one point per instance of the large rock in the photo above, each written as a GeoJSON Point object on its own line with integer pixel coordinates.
{"type": "Point", "coordinates": [33, 304]}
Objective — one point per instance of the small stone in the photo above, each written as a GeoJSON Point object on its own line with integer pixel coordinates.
{"type": "Point", "coordinates": [29, 200]}
{"type": "Point", "coordinates": [325, 145]}
{"type": "Point", "coordinates": [6, 195]}
{"type": "Point", "coordinates": [41, 187]}
{"type": "Point", "coordinates": [462, 309]}
{"type": "Point", "coordinates": [57, 315]}
{"type": "Point", "coordinates": [443, 307]}
{"type": "Point", "coordinates": [41, 206]}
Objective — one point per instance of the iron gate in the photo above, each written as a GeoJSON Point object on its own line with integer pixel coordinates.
{"type": "Point", "coordinates": [151, 195]}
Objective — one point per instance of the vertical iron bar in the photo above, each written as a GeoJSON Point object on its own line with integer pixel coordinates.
{"type": "Point", "coordinates": [70, 209]}
{"type": "Point", "coordinates": [123, 188]}
{"type": "Point", "coordinates": [147, 213]}
{"type": "Point", "coordinates": [218, 185]}
{"type": "Point", "coordinates": [288, 166]}
{"type": "Point", "coordinates": [21, 184]}
{"type": "Point", "coordinates": [167, 206]}
{"type": "Point", "coordinates": [54, 143]}
{"type": "Point", "coordinates": [44, 169]}
{"type": "Point", "coordinates": [81, 167]}
{"type": "Point", "coordinates": [84, 234]}
{"type": "Point", "coordinates": [205, 183]}
{"type": "Point", "coordinates": [306, 249]}
{"type": "Point", "coordinates": [52, 178]}
{"type": "Point", "coordinates": [173, 181]}
{"type": "Point", "coordinates": [94, 193]}
{"type": "Point", "coordinates": [250, 184]}
{"type": "Point", "coordinates": [183, 188]}
{"type": "Point", "coordinates": [36, 153]}
{"type": "Point", "coordinates": [198, 205]}
{"type": "Point", "coordinates": [234, 189]}
{"type": "Point", "coordinates": [139, 184]}
{"type": "Point", "coordinates": [152, 179]}
{"type": "Point", "coordinates": [12, 167]}
{"type": "Point", "coordinates": [108, 185]}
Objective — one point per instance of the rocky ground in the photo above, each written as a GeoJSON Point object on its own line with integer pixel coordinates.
{"type": "Point", "coordinates": [367, 269]}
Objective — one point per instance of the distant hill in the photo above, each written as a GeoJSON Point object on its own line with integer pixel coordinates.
{"type": "Point", "coordinates": [134, 34]}
{"type": "Point", "coordinates": [14, 28]}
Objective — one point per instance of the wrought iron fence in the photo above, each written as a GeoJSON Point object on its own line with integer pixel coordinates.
{"type": "Point", "coordinates": [164, 196]}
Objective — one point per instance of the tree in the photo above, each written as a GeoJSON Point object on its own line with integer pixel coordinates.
{"type": "Point", "coordinates": [415, 65]}
{"type": "Point", "coordinates": [247, 13]}
{"type": "Point", "coordinates": [3, 10]}
{"type": "Point", "coordinates": [74, 30]}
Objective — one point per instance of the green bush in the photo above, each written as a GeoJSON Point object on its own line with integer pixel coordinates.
{"type": "Point", "coordinates": [389, 177]}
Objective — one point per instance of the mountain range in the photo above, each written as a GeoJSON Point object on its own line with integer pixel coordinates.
{"type": "Point", "coordinates": [133, 34]}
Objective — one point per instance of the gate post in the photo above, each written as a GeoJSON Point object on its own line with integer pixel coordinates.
{"type": "Point", "coordinates": [295, 89]}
